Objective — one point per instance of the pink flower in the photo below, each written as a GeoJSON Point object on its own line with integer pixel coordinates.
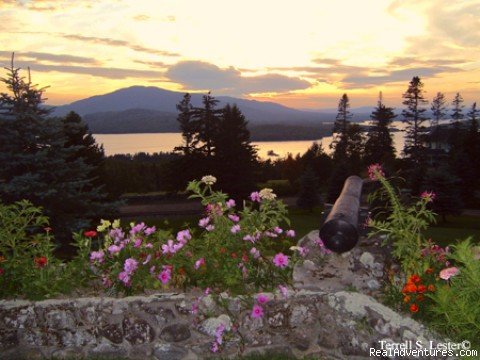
{"type": "Point", "coordinates": [183, 236]}
{"type": "Point", "coordinates": [428, 196]}
{"type": "Point", "coordinates": [150, 230]}
{"type": "Point", "coordinates": [277, 230]}
{"type": "Point", "coordinates": [235, 229]}
{"type": "Point", "coordinates": [137, 228]}
{"type": "Point", "coordinates": [280, 260]}
{"type": "Point", "coordinates": [106, 282]}
{"type": "Point", "coordinates": [230, 204]}
{"type": "Point", "coordinates": [290, 233]}
{"type": "Point", "coordinates": [125, 278]}
{"type": "Point", "coordinates": [234, 218]}
{"type": "Point", "coordinates": [214, 347]}
{"type": "Point", "coordinates": [270, 234]}
{"type": "Point", "coordinates": [204, 222]}
{"type": "Point", "coordinates": [255, 253]}
{"type": "Point", "coordinates": [255, 196]}
{"type": "Point", "coordinates": [97, 256]}
{"type": "Point", "coordinates": [137, 243]}
{"type": "Point", "coordinates": [147, 260]}
{"type": "Point", "coordinates": [149, 245]}
{"type": "Point", "coordinates": [210, 227]}
{"type": "Point", "coordinates": [169, 247]}
{"type": "Point", "coordinates": [130, 266]}
{"type": "Point", "coordinates": [114, 249]}
{"type": "Point", "coordinates": [199, 263]}
{"type": "Point", "coordinates": [219, 334]}
{"type": "Point", "coordinates": [447, 273]}
{"type": "Point", "coordinates": [303, 251]}
{"type": "Point", "coordinates": [257, 312]}
{"type": "Point", "coordinates": [165, 276]}
{"type": "Point", "coordinates": [283, 290]}
{"type": "Point", "coordinates": [249, 238]}
{"type": "Point", "coordinates": [262, 299]}
{"type": "Point", "coordinates": [375, 172]}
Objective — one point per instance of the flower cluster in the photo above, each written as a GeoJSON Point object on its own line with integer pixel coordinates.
{"type": "Point", "coordinates": [375, 172]}
{"type": "Point", "coordinates": [414, 291]}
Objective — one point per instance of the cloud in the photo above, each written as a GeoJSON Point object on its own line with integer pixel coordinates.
{"type": "Point", "coordinates": [414, 60]}
{"type": "Point", "coordinates": [57, 58]}
{"type": "Point", "coordinates": [115, 42]}
{"type": "Point", "coordinates": [141, 17]}
{"type": "Point", "coordinates": [403, 75]}
{"type": "Point", "coordinates": [47, 5]}
{"type": "Point", "coordinates": [199, 75]}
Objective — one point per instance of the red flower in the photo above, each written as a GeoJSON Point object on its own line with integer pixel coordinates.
{"type": "Point", "coordinates": [90, 234]}
{"type": "Point", "coordinates": [429, 271]}
{"type": "Point", "coordinates": [431, 288]}
{"type": "Point", "coordinates": [406, 299]}
{"type": "Point", "coordinates": [1, 271]}
{"type": "Point", "coordinates": [421, 288]}
{"type": "Point", "coordinates": [414, 308]}
{"type": "Point", "coordinates": [41, 261]}
{"type": "Point", "coordinates": [415, 279]}
{"type": "Point", "coordinates": [410, 288]}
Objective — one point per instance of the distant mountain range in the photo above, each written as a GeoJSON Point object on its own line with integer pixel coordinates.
{"type": "Point", "coordinates": [140, 109]}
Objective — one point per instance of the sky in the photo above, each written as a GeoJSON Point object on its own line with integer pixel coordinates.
{"type": "Point", "coordinates": [303, 54]}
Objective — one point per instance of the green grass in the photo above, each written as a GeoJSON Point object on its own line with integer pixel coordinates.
{"type": "Point", "coordinates": [456, 228]}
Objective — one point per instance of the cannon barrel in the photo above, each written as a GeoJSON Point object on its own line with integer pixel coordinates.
{"type": "Point", "coordinates": [339, 232]}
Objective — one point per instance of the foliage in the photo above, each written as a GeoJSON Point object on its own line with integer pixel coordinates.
{"type": "Point", "coordinates": [455, 310]}
{"type": "Point", "coordinates": [340, 129]}
{"type": "Point", "coordinates": [308, 196]}
{"type": "Point", "coordinates": [439, 109]}
{"type": "Point", "coordinates": [232, 250]}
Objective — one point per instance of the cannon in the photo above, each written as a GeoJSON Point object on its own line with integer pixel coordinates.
{"type": "Point", "coordinates": [339, 231]}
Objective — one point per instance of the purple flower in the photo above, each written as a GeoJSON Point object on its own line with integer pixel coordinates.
{"type": "Point", "coordinates": [149, 245]}
{"type": "Point", "coordinates": [152, 269]}
{"type": "Point", "coordinates": [184, 235]}
{"type": "Point", "coordinates": [210, 227]}
{"type": "Point", "coordinates": [255, 253]}
{"type": "Point", "coordinates": [204, 222]}
{"type": "Point", "coordinates": [303, 251]}
{"type": "Point", "coordinates": [199, 263]}
{"type": "Point", "coordinates": [147, 260]}
{"type": "Point", "coordinates": [280, 260]}
{"type": "Point", "coordinates": [249, 238]}
{"type": "Point", "coordinates": [262, 299]}
{"type": "Point", "coordinates": [234, 218]}
{"type": "Point", "coordinates": [117, 234]}
{"type": "Point", "coordinates": [255, 196]}
{"type": "Point", "coordinates": [277, 230]}
{"type": "Point", "coordinates": [270, 234]}
{"type": "Point", "coordinates": [235, 229]}
{"type": "Point", "coordinates": [290, 233]}
{"type": "Point", "coordinates": [114, 249]}
{"type": "Point", "coordinates": [130, 265]}
{"type": "Point", "coordinates": [257, 312]}
{"type": "Point", "coordinates": [165, 276]}
{"type": "Point", "coordinates": [214, 347]}
{"type": "Point", "coordinates": [150, 230]}
{"type": "Point", "coordinates": [97, 256]}
{"type": "Point", "coordinates": [230, 204]}
{"type": "Point", "coordinates": [428, 196]}
{"type": "Point", "coordinates": [125, 278]}
{"type": "Point", "coordinates": [137, 228]}
{"type": "Point", "coordinates": [137, 243]}
{"type": "Point", "coordinates": [219, 333]}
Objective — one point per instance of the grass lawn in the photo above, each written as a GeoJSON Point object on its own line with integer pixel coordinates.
{"type": "Point", "coordinates": [456, 228]}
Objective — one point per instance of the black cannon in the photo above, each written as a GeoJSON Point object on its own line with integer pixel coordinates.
{"type": "Point", "coordinates": [339, 231]}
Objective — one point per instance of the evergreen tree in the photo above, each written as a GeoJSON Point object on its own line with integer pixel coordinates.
{"type": "Point", "coordinates": [379, 145]}
{"type": "Point", "coordinates": [439, 109]}
{"type": "Point", "coordinates": [414, 116]}
{"type": "Point", "coordinates": [37, 165]}
{"type": "Point", "coordinates": [319, 161]}
{"type": "Point", "coordinates": [337, 179]}
{"type": "Point", "coordinates": [457, 110]}
{"type": "Point", "coordinates": [308, 196]}
{"type": "Point", "coordinates": [340, 129]}
{"type": "Point", "coordinates": [355, 147]}
{"type": "Point", "coordinates": [187, 126]}
{"type": "Point", "coordinates": [205, 121]}
{"type": "Point", "coordinates": [234, 158]}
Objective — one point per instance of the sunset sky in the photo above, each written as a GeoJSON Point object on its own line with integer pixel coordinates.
{"type": "Point", "coordinates": [303, 53]}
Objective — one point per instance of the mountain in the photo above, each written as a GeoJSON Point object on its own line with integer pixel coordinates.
{"type": "Point", "coordinates": [135, 100]}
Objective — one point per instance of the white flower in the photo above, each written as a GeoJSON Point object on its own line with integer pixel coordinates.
{"type": "Point", "coordinates": [104, 224]}
{"type": "Point", "coordinates": [209, 179]}
{"type": "Point", "coordinates": [267, 194]}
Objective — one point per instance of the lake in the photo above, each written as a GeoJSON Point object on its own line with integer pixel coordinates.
{"type": "Point", "coordinates": [166, 142]}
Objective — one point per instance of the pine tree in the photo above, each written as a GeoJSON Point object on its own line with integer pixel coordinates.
{"type": "Point", "coordinates": [414, 116]}
{"type": "Point", "coordinates": [379, 145]}
{"type": "Point", "coordinates": [205, 121]}
{"type": "Point", "coordinates": [36, 163]}
{"type": "Point", "coordinates": [457, 110]}
{"type": "Point", "coordinates": [340, 129]}
{"type": "Point", "coordinates": [234, 158]}
{"type": "Point", "coordinates": [184, 107]}
{"type": "Point", "coordinates": [439, 109]}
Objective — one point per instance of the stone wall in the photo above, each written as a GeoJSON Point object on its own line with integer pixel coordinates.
{"type": "Point", "coordinates": [328, 324]}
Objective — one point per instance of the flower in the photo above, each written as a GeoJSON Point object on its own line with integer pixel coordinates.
{"type": "Point", "coordinates": [255, 196]}
{"type": "Point", "coordinates": [277, 230]}
{"type": "Point", "coordinates": [447, 273]}
{"type": "Point", "coordinates": [210, 227]}
{"type": "Point", "coordinates": [97, 256]}
{"type": "Point", "coordinates": [203, 222]}
{"type": "Point", "coordinates": [165, 275]}
{"type": "Point", "coordinates": [125, 278]}
{"type": "Point", "coordinates": [137, 243]}
{"type": "Point", "coordinates": [257, 312]}
{"type": "Point", "coordinates": [290, 233]}
{"type": "Point", "coordinates": [235, 229]}
{"type": "Point", "coordinates": [280, 260]}
{"type": "Point", "coordinates": [41, 261]}
{"type": "Point", "coordinates": [114, 249]}
{"type": "Point", "coordinates": [262, 299]}
{"type": "Point", "coordinates": [407, 299]}
{"type": "Point", "coordinates": [150, 230]}
{"type": "Point", "coordinates": [230, 204]}
{"type": "Point", "coordinates": [219, 333]}
{"type": "Point", "coordinates": [170, 247]}
{"type": "Point", "coordinates": [414, 308]}
{"type": "Point", "coordinates": [183, 236]}
{"type": "Point", "coordinates": [431, 288]}
{"type": "Point", "coordinates": [137, 228]}
{"type": "Point", "coordinates": [90, 234]}
{"type": "Point", "coordinates": [234, 218]}
{"type": "Point", "coordinates": [214, 347]}
{"type": "Point", "coordinates": [199, 263]}
{"type": "Point", "coordinates": [428, 196]}
{"type": "Point", "coordinates": [104, 224]}
{"type": "Point", "coordinates": [255, 253]}
{"type": "Point", "coordinates": [130, 266]}
{"type": "Point", "coordinates": [209, 179]}
{"type": "Point", "coordinates": [267, 194]}
{"type": "Point", "coordinates": [414, 279]}
{"type": "Point", "coordinates": [147, 260]}
{"type": "Point", "coordinates": [375, 172]}
{"type": "Point", "coordinates": [409, 288]}
{"type": "Point", "coordinates": [422, 288]}
{"type": "Point", "coordinates": [283, 290]}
